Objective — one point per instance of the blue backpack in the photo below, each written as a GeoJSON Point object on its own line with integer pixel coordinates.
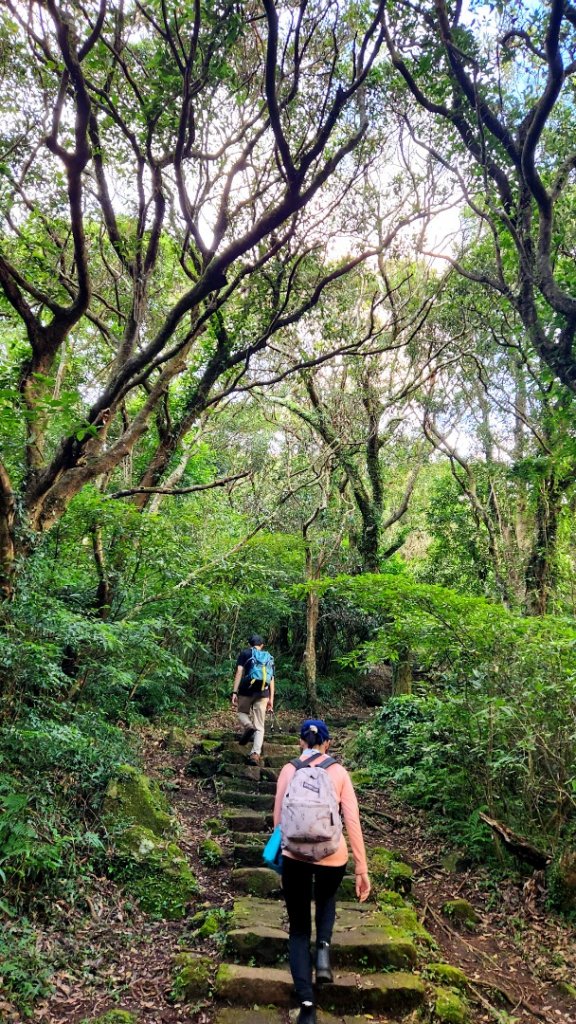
{"type": "Point", "coordinates": [261, 670]}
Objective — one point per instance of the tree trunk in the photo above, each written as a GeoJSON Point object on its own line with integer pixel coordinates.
{"type": "Point", "coordinates": [7, 540]}
{"type": "Point", "coordinates": [370, 539]}
{"type": "Point", "coordinates": [402, 674]}
{"type": "Point", "coordinates": [310, 656]}
{"type": "Point", "coordinates": [541, 565]}
{"type": "Point", "coordinates": [104, 592]}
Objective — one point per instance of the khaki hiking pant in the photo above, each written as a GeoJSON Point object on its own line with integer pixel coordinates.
{"type": "Point", "coordinates": [255, 707]}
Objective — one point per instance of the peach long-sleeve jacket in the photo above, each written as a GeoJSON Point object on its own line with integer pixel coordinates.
{"type": "Point", "coordinates": [349, 807]}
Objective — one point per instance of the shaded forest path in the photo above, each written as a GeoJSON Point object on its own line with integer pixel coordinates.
{"type": "Point", "coordinates": [516, 957]}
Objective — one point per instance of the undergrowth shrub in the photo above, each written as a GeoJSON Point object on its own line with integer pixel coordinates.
{"type": "Point", "coordinates": [24, 969]}
{"type": "Point", "coordinates": [53, 775]}
{"type": "Point", "coordinates": [494, 726]}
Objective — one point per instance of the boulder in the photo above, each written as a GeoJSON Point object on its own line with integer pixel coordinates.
{"type": "Point", "coordinates": [447, 975]}
{"type": "Point", "coordinates": [388, 870]}
{"type": "Point", "coordinates": [133, 798]}
{"type": "Point", "coordinates": [210, 921]}
{"type": "Point", "coordinates": [193, 978]}
{"type": "Point", "coordinates": [461, 911]}
{"type": "Point", "coordinates": [211, 853]}
{"type": "Point", "coordinates": [216, 826]}
{"type": "Point", "coordinates": [449, 1008]}
{"type": "Point", "coordinates": [156, 872]}
{"type": "Point", "coordinates": [178, 740]}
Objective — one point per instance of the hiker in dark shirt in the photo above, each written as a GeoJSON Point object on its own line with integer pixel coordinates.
{"type": "Point", "coordinates": [253, 693]}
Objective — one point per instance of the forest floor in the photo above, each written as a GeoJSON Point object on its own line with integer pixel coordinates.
{"type": "Point", "coordinates": [112, 956]}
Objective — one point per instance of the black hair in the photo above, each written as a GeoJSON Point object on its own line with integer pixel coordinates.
{"type": "Point", "coordinates": [312, 738]}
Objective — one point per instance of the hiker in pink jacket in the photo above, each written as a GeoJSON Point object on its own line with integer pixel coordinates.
{"type": "Point", "coordinates": [311, 802]}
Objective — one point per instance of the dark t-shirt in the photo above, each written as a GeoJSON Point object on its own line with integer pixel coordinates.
{"type": "Point", "coordinates": [245, 660]}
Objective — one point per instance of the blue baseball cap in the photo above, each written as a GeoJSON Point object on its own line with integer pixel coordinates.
{"type": "Point", "coordinates": [315, 725]}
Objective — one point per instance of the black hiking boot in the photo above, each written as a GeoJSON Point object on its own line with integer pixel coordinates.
{"type": "Point", "coordinates": [307, 1014]}
{"type": "Point", "coordinates": [247, 735]}
{"type": "Point", "coordinates": [323, 970]}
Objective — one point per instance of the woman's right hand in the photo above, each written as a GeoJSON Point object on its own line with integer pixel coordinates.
{"type": "Point", "coordinates": [362, 887]}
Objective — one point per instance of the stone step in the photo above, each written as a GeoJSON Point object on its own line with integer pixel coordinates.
{"type": "Point", "coordinates": [362, 935]}
{"type": "Point", "coordinates": [257, 881]}
{"type": "Point", "coordinates": [227, 735]}
{"type": "Point", "coordinates": [246, 785]}
{"type": "Point", "coordinates": [274, 761]}
{"type": "Point", "coordinates": [267, 1015]}
{"type": "Point", "coordinates": [248, 854]}
{"type": "Point", "coordinates": [246, 820]}
{"type": "Point", "coordinates": [396, 992]}
{"type": "Point", "coordinates": [257, 801]}
{"type": "Point", "coordinates": [207, 766]}
{"type": "Point", "coordinates": [285, 750]}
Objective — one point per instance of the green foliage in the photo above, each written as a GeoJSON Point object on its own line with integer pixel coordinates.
{"type": "Point", "coordinates": [499, 698]}
{"type": "Point", "coordinates": [52, 779]}
{"type": "Point", "coordinates": [155, 871]}
{"type": "Point", "coordinates": [211, 853]}
{"type": "Point", "coordinates": [24, 969]}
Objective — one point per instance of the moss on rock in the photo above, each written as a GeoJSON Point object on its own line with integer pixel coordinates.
{"type": "Point", "coordinates": [450, 1008]}
{"type": "Point", "coordinates": [193, 977]}
{"type": "Point", "coordinates": [211, 853]}
{"type": "Point", "coordinates": [156, 872]}
{"type": "Point", "coordinates": [448, 975]}
{"type": "Point", "coordinates": [216, 826]}
{"type": "Point", "coordinates": [461, 911]}
{"type": "Point", "coordinates": [406, 919]}
{"type": "Point", "coordinates": [210, 921]}
{"type": "Point", "coordinates": [389, 870]}
{"type": "Point", "coordinates": [178, 740]}
{"type": "Point", "coordinates": [389, 898]}
{"type": "Point", "coordinates": [133, 797]}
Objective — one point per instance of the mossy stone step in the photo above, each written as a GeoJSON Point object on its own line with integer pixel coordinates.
{"type": "Point", "coordinates": [246, 785]}
{"type": "Point", "coordinates": [257, 881]}
{"type": "Point", "coordinates": [248, 855]}
{"type": "Point", "coordinates": [274, 749]}
{"type": "Point", "coordinates": [396, 992]}
{"type": "Point", "coordinates": [247, 820]}
{"type": "Point", "coordinates": [257, 801]}
{"type": "Point", "coordinates": [209, 767]}
{"type": "Point", "coordinates": [268, 1015]}
{"type": "Point", "coordinates": [228, 736]}
{"type": "Point", "coordinates": [240, 1015]}
{"type": "Point", "coordinates": [275, 761]}
{"type": "Point", "coordinates": [365, 936]}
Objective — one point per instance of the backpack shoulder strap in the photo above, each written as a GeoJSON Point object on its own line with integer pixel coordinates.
{"type": "Point", "coordinates": [298, 764]}
{"type": "Point", "coordinates": [328, 763]}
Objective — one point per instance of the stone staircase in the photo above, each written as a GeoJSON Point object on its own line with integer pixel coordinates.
{"type": "Point", "coordinates": [376, 946]}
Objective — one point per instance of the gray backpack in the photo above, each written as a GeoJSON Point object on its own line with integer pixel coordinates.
{"type": "Point", "coordinates": [310, 819]}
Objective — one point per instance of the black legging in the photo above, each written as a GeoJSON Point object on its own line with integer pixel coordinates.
{"type": "Point", "coordinates": [297, 879]}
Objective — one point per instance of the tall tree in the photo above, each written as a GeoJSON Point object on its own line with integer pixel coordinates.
{"type": "Point", "coordinates": [489, 92]}
{"type": "Point", "coordinates": [157, 159]}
